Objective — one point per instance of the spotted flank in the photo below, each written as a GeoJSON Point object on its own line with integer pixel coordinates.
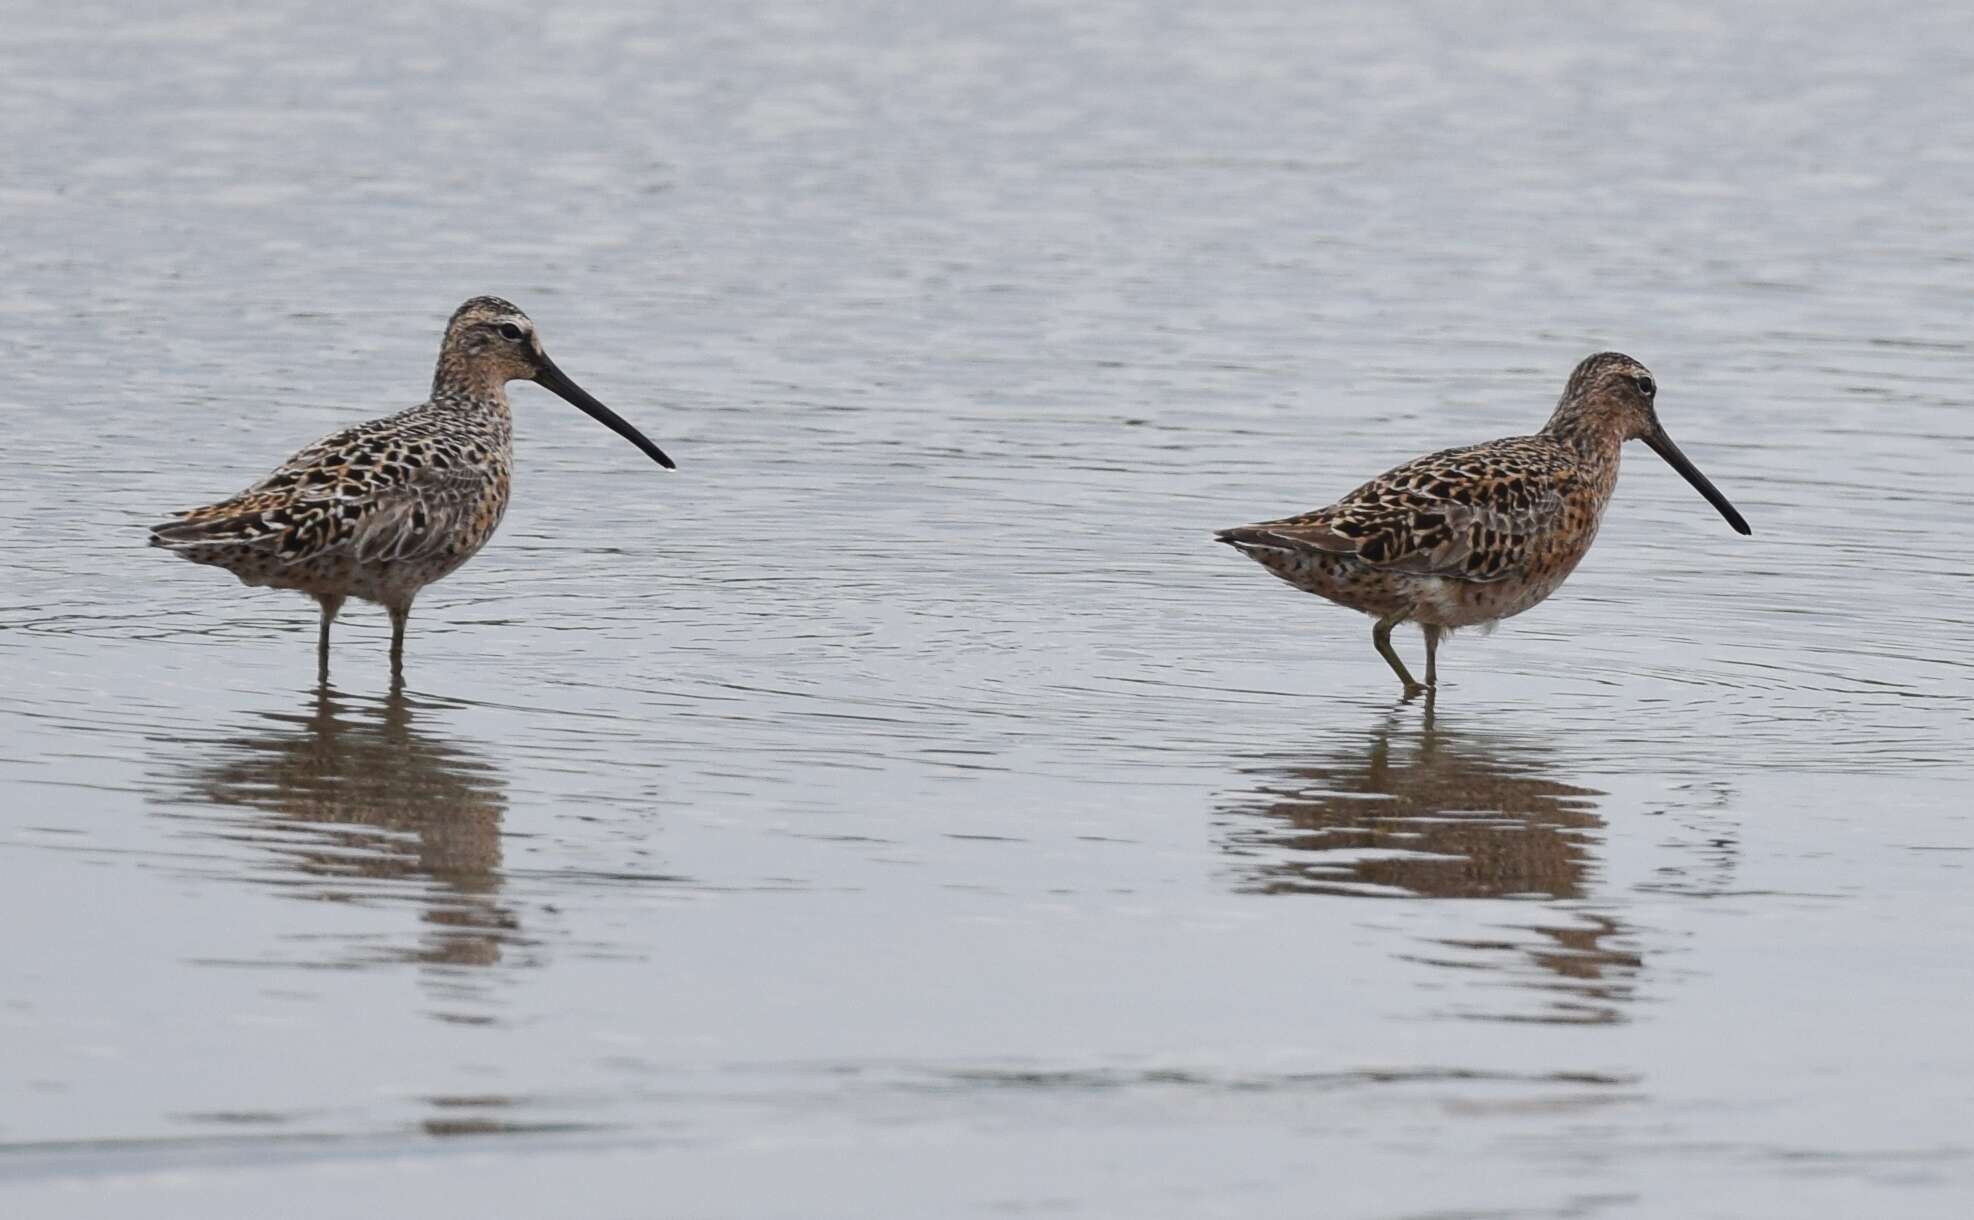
{"type": "Point", "coordinates": [1474, 535]}
{"type": "Point", "coordinates": [380, 510]}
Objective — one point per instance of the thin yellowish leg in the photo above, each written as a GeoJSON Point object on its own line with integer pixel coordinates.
{"type": "Point", "coordinates": [1432, 655]}
{"type": "Point", "coordinates": [1381, 636]}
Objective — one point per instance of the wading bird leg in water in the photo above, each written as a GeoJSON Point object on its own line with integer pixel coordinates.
{"type": "Point", "coordinates": [332, 604]}
{"type": "Point", "coordinates": [399, 615]}
{"type": "Point", "coordinates": [1381, 636]}
{"type": "Point", "coordinates": [1432, 656]}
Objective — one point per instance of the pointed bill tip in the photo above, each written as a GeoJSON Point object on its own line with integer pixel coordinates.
{"type": "Point", "coordinates": [1662, 445]}
{"type": "Point", "coordinates": [558, 383]}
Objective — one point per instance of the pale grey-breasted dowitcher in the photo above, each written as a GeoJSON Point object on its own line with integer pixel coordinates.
{"type": "Point", "coordinates": [1474, 535]}
{"type": "Point", "coordinates": [380, 510]}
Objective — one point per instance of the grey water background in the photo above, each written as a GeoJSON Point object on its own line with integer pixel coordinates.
{"type": "Point", "coordinates": [904, 809]}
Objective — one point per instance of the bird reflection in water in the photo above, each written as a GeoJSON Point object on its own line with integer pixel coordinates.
{"type": "Point", "coordinates": [359, 805]}
{"type": "Point", "coordinates": [1430, 812]}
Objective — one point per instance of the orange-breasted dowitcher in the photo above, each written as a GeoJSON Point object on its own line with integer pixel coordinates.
{"type": "Point", "coordinates": [1474, 535]}
{"type": "Point", "coordinates": [380, 510]}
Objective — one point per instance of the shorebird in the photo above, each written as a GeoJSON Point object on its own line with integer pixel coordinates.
{"type": "Point", "coordinates": [382, 509]}
{"type": "Point", "coordinates": [1474, 535]}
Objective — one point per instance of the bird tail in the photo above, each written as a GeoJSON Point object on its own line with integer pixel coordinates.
{"type": "Point", "coordinates": [1247, 539]}
{"type": "Point", "coordinates": [223, 524]}
{"type": "Point", "coordinates": [181, 533]}
{"type": "Point", "coordinates": [1296, 536]}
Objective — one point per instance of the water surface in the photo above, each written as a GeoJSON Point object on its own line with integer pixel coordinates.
{"type": "Point", "coordinates": [904, 808]}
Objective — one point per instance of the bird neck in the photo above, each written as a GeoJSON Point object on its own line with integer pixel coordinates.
{"type": "Point", "coordinates": [1592, 427]}
{"type": "Point", "coordinates": [479, 410]}
{"type": "Point", "coordinates": [460, 377]}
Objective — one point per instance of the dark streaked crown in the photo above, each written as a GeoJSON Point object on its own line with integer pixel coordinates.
{"type": "Point", "coordinates": [1601, 371]}
{"type": "Point", "coordinates": [483, 309]}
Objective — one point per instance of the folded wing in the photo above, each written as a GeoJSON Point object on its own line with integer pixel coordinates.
{"type": "Point", "coordinates": [337, 498]}
{"type": "Point", "coordinates": [1467, 514]}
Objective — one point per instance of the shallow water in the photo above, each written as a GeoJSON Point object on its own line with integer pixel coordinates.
{"type": "Point", "coordinates": [904, 809]}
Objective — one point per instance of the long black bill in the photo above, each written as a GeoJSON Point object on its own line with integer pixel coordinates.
{"type": "Point", "coordinates": [1662, 445]}
{"type": "Point", "coordinates": [556, 381]}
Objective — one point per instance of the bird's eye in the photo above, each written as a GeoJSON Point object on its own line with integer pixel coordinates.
{"type": "Point", "coordinates": [510, 331]}
{"type": "Point", "coordinates": [1647, 386]}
